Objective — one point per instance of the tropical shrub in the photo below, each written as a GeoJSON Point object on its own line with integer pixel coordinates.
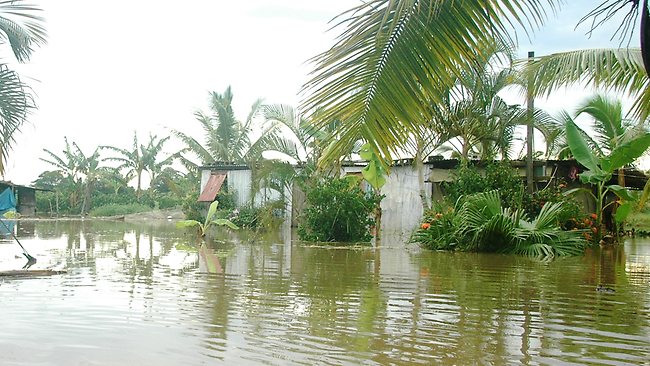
{"type": "Point", "coordinates": [247, 217]}
{"type": "Point", "coordinates": [167, 200]}
{"type": "Point", "coordinates": [479, 222]}
{"type": "Point", "coordinates": [498, 175]}
{"type": "Point", "coordinates": [437, 229]}
{"type": "Point", "coordinates": [599, 172]}
{"type": "Point", "coordinates": [338, 210]}
{"type": "Point", "coordinates": [226, 200]}
{"type": "Point", "coordinates": [193, 209]}
{"type": "Point", "coordinates": [533, 203]}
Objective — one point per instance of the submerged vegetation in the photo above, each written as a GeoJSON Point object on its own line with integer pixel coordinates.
{"type": "Point", "coordinates": [338, 210]}
{"type": "Point", "coordinates": [404, 77]}
{"type": "Point", "coordinates": [479, 222]}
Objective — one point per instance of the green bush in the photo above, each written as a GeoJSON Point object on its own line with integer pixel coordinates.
{"type": "Point", "coordinates": [480, 223]}
{"type": "Point", "coordinates": [498, 175]}
{"type": "Point", "coordinates": [47, 203]}
{"type": "Point", "coordinates": [167, 200]}
{"type": "Point", "coordinates": [247, 217]}
{"type": "Point", "coordinates": [193, 209]}
{"type": "Point", "coordinates": [338, 210]}
{"type": "Point", "coordinates": [437, 229]}
{"type": "Point", "coordinates": [118, 209]}
{"type": "Point", "coordinates": [226, 200]}
{"type": "Point", "coordinates": [533, 203]}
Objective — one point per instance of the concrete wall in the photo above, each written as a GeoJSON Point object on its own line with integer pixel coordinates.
{"type": "Point", "coordinates": [402, 206]}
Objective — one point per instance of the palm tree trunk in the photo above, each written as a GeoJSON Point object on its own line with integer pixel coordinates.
{"type": "Point", "coordinates": [645, 36]}
{"type": "Point", "coordinates": [84, 201]}
{"type": "Point", "coordinates": [530, 106]}
{"type": "Point", "coordinates": [138, 190]}
{"type": "Point", "coordinates": [419, 165]}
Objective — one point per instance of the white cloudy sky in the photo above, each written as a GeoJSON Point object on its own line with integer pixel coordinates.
{"type": "Point", "coordinates": [115, 67]}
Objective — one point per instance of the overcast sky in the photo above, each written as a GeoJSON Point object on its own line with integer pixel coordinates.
{"type": "Point", "coordinates": [114, 67]}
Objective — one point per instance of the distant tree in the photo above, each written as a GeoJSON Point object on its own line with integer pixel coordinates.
{"type": "Point", "coordinates": [140, 158]}
{"type": "Point", "coordinates": [82, 170]}
{"type": "Point", "coordinates": [154, 165]}
{"type": "Point", "coordinates": [226, 139]}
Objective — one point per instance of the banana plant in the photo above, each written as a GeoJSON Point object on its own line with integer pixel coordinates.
{"type": "Point", "coordinates": [375, 174]}
{"type": "Point", "coordinates": [600, 170]}
{"type": "Point", "coordinates": [202, 227]}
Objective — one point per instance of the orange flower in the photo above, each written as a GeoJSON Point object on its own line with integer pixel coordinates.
{"type": "Point", "coordinates": [594, 230]}
{"type": "Point", "coordinates": [562, 185]}
{"type": "Point", "coordinates": [426, 225]}
{"type": "Point", "coordinates": [438, 216]}
{"type": "Point", "coordinates": [593, 216]}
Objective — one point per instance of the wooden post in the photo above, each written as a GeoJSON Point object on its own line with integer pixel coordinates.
{"type": "Point", "coordinates": [530, 107]}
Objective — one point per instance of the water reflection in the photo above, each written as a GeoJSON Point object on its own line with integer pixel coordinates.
{"type": "Point", "coordinates": [161, 298]}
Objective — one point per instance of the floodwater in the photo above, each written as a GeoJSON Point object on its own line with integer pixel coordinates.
{"type": "Point", "coordinates": [144, 294]}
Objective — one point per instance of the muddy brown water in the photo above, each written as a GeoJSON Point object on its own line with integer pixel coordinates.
{"type": "Point", "coordinates": [144, 294]}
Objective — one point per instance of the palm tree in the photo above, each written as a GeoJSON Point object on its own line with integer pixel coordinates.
{"type": "Point", "coordinates": [67, 163]}
{"type": "Point", "coordinates": [611, 129]}
{"type": "Point", "coordinates": [226, 138]}
{"type": "Point", "coordinates": [141, 158]}
{"type": "Point", "coordinates": [90, 168]}
{"type": "Point", "coordinates": [23, 29]}
{"type": "Point", "coordinates": [154, 148]}
{"type": "Point", "coordinates": [131, 162]}
{"type": "Point", "coordinates": [393, 58]}
{"type": "Point", "coordinates": [618, 70]}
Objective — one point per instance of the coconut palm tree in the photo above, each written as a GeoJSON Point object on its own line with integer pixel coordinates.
{"type": "Point", "coordinates": [23, 29]}
{"type": "Point", "coordinates": [141, 158]}
{"type": "Point", "coordinates": [226, 138]}
{"type": "Point", "coordinates": [393, 57]}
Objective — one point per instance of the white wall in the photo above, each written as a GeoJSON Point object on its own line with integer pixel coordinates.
{"type": "Point", "coordinates": [402, 206]}
{"type": "Point", "coordinates": [239, 182]}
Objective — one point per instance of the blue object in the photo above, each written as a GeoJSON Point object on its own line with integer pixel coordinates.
{"type": "Point", "coordinates": [7, 201]}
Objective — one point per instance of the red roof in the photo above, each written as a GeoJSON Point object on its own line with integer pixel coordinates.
{"type": "Point", "coordinates": [212, 187]}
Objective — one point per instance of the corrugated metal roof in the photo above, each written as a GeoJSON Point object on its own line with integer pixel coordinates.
{"type": "Point", "coordinates": [212, 187]}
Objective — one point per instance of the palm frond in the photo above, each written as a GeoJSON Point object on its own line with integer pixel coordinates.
{"type": "Point", "coordinates": [620, 70]}
{"type": "Point", "coordinates": [15, 104]}
{"type": "Point", "coordinates": [393, 57]}
{"type": "Point", "coordinates": [22, 27]}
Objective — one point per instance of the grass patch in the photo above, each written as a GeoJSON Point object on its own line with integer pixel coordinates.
{"type": "Point", "coordinates": [118, 210]}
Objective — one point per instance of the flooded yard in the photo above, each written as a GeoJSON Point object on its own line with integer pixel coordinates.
{"type": "Point", "coordinates": [143, 294]}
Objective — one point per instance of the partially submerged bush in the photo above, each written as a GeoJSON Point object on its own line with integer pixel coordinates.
{"type": "Point", "coordinates": [479, 222]}
{"type": "Point", "coordinates": [437, 229]}
{"type": "Point", "coordinates": [338, 210]}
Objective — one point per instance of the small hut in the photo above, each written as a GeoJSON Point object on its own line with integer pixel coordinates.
{"type": "Point", "coordinates": [24, 197]}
